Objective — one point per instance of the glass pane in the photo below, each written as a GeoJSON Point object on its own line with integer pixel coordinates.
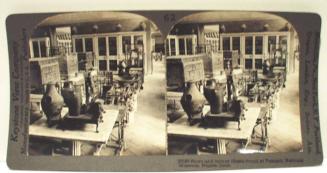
{"type": "Point", "coordinates": [88, 45]}
{"type": "Point", "coordinates": [258, 64]}
{"type": "Point", "coordinates": [102, 46]}
{"type": "Point", "coordinates": [249, 45]}
{"type": "Point", "coordinates": [181, 46]}
{"type": "Point", "coordinates": [103, 65]}
{"type": "Point", "coordinates": [226, 43]}
{"type": "Point", "coordinates": [236, 43]}
{"type": "Point", "coordinates": [172, 46]}
{"type": "Point", "coordinates": [248, 63]}
{"type": "Point", "coordinates": [138, 40]}
{"type": "Point", "coordinates": [36, 49]}
{"type": "Point", "coordinates": [189, 46]}
{"type": "Point", "coordinates": [167, 48]}
{"type": "Point", "coordinates": [258, 44]}
{"type": "Point", "coordinates": [113, 65]}
{"type": "Point", "coordinates": [78, 45]}
{"type": "Point", "coordinates": [43, 49]}
{"type": "Point", "coordinates": [138, 43]}
{"type": "Point", "coordinates": [272, 41]}
{"type": "Point", "coordinates": [112, 45]}
{"type": "Point", "coordinates": [126, 44]}
{"type": "Point", "coordinates": [282, 55]}
{"type": "Point", "coordinates": [159, 47]}
{"type": "Point", "coordinates": [283, 43]}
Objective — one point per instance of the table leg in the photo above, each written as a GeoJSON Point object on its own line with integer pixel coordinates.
{"type": "Point", "coordinates": [98, 149]}
{"type": "Point", "coordinates": [263, 121]}
{"type": "Point", "coordinates": [121, 136]}
{"type": "Point", "coordinates": [221, 146]}
{"type": "Point", "coordinates": [266, 134]}
{"type": "Point", "coordinates": [76, 148]}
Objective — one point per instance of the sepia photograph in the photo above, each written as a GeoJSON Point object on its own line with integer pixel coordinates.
{"type": "Point", "coordinates": [163, 90]}
{"type": "Point", "coordinates": [97, 86]}
{"type": "Point", "coordinates": [232, 84]}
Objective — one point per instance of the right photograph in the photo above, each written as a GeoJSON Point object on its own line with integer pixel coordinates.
{"type": "Point", "coordinates": [232, 84]}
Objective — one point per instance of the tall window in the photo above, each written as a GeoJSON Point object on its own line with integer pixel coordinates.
{"type": "Point", "coordinates": [258, 45]}
{"type": "Point", "coordinates": [226, 43]}
{"type": "Point", "coordinates": [181, 46]}
{"type": "Point", "coordinates": [172, 46]}
{"type": "Point", "coordinates": [112, 46]}
{"type": "Point", "coordinates": [283, 43]}
{"type": "Point", "coordinates": [102, 46]}
{"type": "Point", "coordinates": [249, 45]}
{"type": "Point", "coordinates": [189, 46]}
{"type": "Point", "coordinates": [43, 49]}
{"type": "Point", "coordinates": [248, 64]}
{"type": "Point", "coordinates": [236, 43]}
{"type": "Point", "coordinates": [103, 65]}
{"type": "Point", "coordinates": [36, 49]}
{"type": "Point", "coordinates": [88, 45]}
{"type": "Point", "coordinates": [258, 63]}
{"type": "Point", "coordinates": [126, 44]}
{"type": "Point", "coordinates": [167, 47]}
{"type": "Point", "coordinates": [272, 42]}
{"type": "Point", "coordinates": [138, 39]}
{"type": "Point", "coordinates": [113, 66]}
{"type": "Point", "coordinates": [39, 48]}
{"type": "Point", "coordinates": [78, 45]}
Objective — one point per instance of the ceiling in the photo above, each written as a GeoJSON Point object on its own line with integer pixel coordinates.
{"type": "Point", "coordinates": [89, 17]}
{"type": "Point", "coordinates": [228, 16]}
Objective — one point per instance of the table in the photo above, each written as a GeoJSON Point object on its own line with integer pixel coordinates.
{"type": "Point", "coordinates": [230, 131]}
{"type": "Point", "coordinates": [87, 134]}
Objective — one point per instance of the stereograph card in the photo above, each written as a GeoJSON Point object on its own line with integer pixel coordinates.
{"type": "Point", "coordinates": [163, 90]}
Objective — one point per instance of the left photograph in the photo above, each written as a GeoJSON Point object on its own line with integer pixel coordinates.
{"type": "Point", "coordinates": [97, 86]}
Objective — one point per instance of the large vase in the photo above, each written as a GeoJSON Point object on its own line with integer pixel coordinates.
{"type": "Point", "coordinates": [72, 98]}
{"type": "Point", "coordinates": [215, 97]}
{"type": "Point", "coordinates": [192, 101]}
{"type": "Point", "coordinates": [52, 103]}
{"type": "Point", "coordinates": [35, 112]}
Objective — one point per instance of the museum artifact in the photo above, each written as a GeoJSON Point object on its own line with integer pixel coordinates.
{"type": "Point", "coordinates": [52, 103]}
{"type": "Point", "coordinates": [35, 112]}
{"type": "Point", "coordinates": [42, 72]}
{"type": "Point", "coordinates": [192, 101]}
{"type": "Point", "coordinates": [181, 69]}
{"type": "Point", "coordinates": [72, 98]}
{"type": "Point", "coordinates": [92, 115]}
{"type": "Point", "coordinates": [215, 96]}
{"type": "Point", "coordinates": [235, 112]}
{"type": "Point", "coordinates": [68, 65]}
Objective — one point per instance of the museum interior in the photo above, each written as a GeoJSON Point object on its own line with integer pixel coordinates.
{"type": "Point", "coordinates": [97, 86]}
{"type": "Point", "coordinates": [232, 84]}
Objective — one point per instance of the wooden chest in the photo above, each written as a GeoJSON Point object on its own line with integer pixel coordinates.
{"type": "Point", "coordinates": [213, 65]}
{"type": "Point", "coordinates": [68, 65]}
{"type": "Point", "coordinates": [183, 69]}
{"type": "Point", "coordinates": [43, 71]}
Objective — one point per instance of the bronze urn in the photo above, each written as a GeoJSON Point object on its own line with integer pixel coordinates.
{"type": "Point", "coordinates": [72, 98]}
{"type": "Point", "coordinates": [215, 96]}
{"type": "Point", "coordinates": [192, 101]}
{"type": "Point", "coordinates": [52, 103]}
